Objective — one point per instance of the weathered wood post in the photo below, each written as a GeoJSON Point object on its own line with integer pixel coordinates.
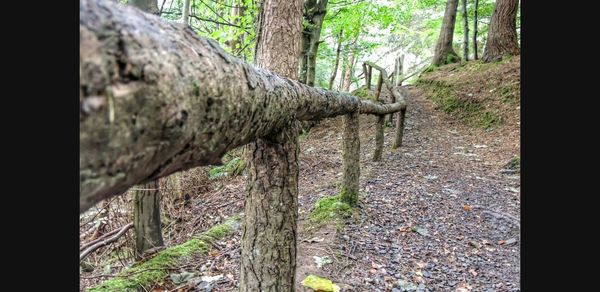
{"type": "Point", "coordinates": [378, 138]}
{"type": "Point", "coordinates": [399, 129]}
{"type": "Point", "coordinates": [351, 157]}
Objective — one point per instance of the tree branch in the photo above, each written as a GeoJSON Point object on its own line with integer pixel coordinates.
{"type": "Point", "coordinates": [102, 243]}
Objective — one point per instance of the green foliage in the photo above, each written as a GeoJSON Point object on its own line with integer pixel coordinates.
{"type": "Point", "coordinates": [216, 20]}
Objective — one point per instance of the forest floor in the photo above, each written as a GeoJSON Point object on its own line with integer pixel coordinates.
{"type": "Point", "coordinates": [441, 213]}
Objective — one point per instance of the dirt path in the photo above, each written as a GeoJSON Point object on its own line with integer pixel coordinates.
{"type": "Point", "coordinates": [435, 215]}
{"type": "Point", "coordinates": [445, 183]}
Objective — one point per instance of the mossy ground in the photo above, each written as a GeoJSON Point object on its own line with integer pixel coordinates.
{"type": "Point", "coordinates": [155, 270]}
{"type": "Point", "coordinates": [483, 95]}
{"type": "Point", "coordinates": [330, 209]}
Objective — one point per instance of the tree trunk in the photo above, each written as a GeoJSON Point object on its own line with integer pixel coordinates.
{"type": "Point", "coordinates": [399, 70]}
{"type": "Point", "coordinates": [155, 99]}
{"type": "Point", "coordinates": [351, 157]}
{"type": "Point", "coordinates": [304, 56]}
{"type": "Point", "coordinates": [343, 72]}
{"type": "Point", "coordinates": [348, 73]}
{"type": "Point", "coordinates": [502, 34]}
{"type": "Point", "coordinates": [317, 12]}
{"type": "Point", "coordinates": [466, 31]}
{"type": "Point", "coordinates": [337, 60]}
{"type": "Point", "coordinates": [146, 204]}
{"type": "Point", "coordinates": [378, 138]}
{"type": "Point", "coordinates": [268, 261]}
{"type": "Point", "coordinates": [444, 53]}
{"type": "Point", "coordinates": [186, 12]}
{"type": "Point", "coordinates": [475, 49]}
{"type": "Point", "coordinates": [146, 217]}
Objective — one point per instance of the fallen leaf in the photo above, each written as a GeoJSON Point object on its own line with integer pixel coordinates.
{"type": "Point", "coordinates": [320, 284]}
{"type": "Point", "coordinates": [467, 207]}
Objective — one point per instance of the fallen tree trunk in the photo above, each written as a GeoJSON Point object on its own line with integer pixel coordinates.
{"type": "Point", "coordinates": [155, 98]}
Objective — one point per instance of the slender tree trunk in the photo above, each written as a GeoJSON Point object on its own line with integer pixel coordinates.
{"type": "Point", "coordinates": [348, 73]}
{"type": "Point", "coordinates": [146, 204]}
{"type": "Point", "coordinates": [146, 217]}
{"type": "Point", "coordinates": [186, 12]}
{"type": "Point", "coordinates": [271, 205]}
{"type": "Point", "coordinates": [316, 23]}
{"type": "Point", "coordinates": [466, 31]}
{"type": "Point", "coordinates": [444, 52]}
{"type": "Point", "coordinates": [305, 45]}
{"type": "Point", "coordinates": [237, 11]}
{"type": "Point", "coordinates": [502, 34]}
{"type": "Point", "coordinates": [475, 49]}
{"type": "Point", "coordinates": [343, 71]}
{"type": "Point", "coordinates": [337, 60]}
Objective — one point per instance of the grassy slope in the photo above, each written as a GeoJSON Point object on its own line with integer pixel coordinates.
{"type": "Point", "coordinates": [479, 94]}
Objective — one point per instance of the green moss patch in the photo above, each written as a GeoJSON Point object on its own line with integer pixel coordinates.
{"type": "Point", "coordinates": [330, 209]}
{"type": "Point", "coordinates": [233, 167]}
{"type": "Point", "coordinates": [156, 269]}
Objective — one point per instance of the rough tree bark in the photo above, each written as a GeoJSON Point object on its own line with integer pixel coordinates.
{"type": "Point", "coordinates": [268, 261]}
{"type": "Point", "coordinates": [444, 52]}
{"type": "Point", "coordinates": [155, 98]}
{"type": "Point", "coordinates": [466, 30]}
{"type": "Point", "coordinates": [337, 60]}
{"type": "Point", "coordinates": [351, 159]}
{"type": "Point", "coordinates": [146, 204]}
{"type": "Point", "coordinates": [475, 49]}
{"type": "Point", "coordinates": [502, 34]}
{"type": "Point", "coordinates": [146, 218]}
